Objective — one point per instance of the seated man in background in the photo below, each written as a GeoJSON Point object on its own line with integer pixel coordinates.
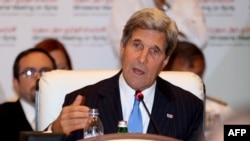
{"type": "Point", "coordinates": [20, 115]}
{"type": "Point", "coordinates": [188, 57]}
{"type": "Point", "coordinates": [148, 39]}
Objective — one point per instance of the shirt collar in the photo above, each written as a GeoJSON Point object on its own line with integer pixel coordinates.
{"type": "Point", "coordinates": [124, 87]}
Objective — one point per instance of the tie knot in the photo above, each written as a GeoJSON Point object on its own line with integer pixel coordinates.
{"type": "Point", "coordinates": [136, 103]}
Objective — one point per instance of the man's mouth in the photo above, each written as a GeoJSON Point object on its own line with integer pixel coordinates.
{"type": "Point", "coordinates": [138, 71]}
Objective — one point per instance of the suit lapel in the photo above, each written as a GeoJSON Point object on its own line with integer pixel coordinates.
{"type": "Point", "coordinates": [163, 108]}
{"type": "Point", "coordinates": [22, 121]}
{"type": "Point", "coordinates": [110, 104]}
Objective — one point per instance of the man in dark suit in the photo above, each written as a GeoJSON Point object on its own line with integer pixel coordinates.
{"type": "Point", "coordinates": [20, 115]}
{"type": "Point", "coordinates": [149, 37]}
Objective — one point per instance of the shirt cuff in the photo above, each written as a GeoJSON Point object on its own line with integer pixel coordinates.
{"type": "Point", "coordinates": [48, 129]}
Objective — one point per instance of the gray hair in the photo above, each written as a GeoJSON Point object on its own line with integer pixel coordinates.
{"type": "Point", "coordinates": [153, 19]}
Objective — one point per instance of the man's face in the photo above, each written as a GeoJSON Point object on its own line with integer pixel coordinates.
{"type": "Point", "coordinates": [143, 58]}
{"type": "Point", "coordinates": [26, 85]}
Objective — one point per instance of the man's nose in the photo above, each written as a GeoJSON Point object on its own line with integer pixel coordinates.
{"type": "Point", "coordinates": [143, 56]}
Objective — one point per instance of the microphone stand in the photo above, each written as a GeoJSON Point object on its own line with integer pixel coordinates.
{"type": "Point", "coordinates": [139, 96]}
{"type": "Point", "coordinates": [154, 124]}
{"type": "Point", "coordinates": [36, 105]}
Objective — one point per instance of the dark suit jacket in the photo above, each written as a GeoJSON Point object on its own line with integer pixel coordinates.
{"type": "Point", "coordinates": [177, 113]}
{"type": "Point", "coordinates": [12, 121]}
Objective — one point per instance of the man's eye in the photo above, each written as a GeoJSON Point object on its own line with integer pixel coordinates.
{"type": "Point", "coordinates": [137, 45]}
{"type": "Point", "coordinates": [155, 51]}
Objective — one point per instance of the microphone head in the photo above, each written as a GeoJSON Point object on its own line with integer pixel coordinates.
{"type": "Point", "coordinates": [139, 96]}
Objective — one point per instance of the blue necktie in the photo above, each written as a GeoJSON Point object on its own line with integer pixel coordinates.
{"type": "Point", "coordinates": [135, 119]}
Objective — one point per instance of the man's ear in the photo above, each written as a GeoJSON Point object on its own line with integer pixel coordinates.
{"type": "Point", "coordinates": [121, 49]}
{"type": "Point", "coordinates": [16, 85]}
{"type": "Point", "coordinates": [165, 61]}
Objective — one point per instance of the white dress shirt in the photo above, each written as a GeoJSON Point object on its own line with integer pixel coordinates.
{"type": "Point", "coordinates": [127, 95]}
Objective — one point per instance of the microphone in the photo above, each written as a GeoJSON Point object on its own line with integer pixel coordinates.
{"type": "Point", "coordinates": [36, 105]}
{"type": "Point", "coordinates": [139, 96]}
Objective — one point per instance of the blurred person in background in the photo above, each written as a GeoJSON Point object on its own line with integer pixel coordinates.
{"type": "Point", "coordinates": [18, 116]}
{"type": "Point", "coordinates": [58, 51]}
{"type": "Point", "coordinates": [187, 14]}
{"type": "Point", "coordinates": [188, 57]}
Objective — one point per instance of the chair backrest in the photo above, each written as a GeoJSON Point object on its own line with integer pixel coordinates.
{"type": "Point", "coordinates": [54, 85]}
